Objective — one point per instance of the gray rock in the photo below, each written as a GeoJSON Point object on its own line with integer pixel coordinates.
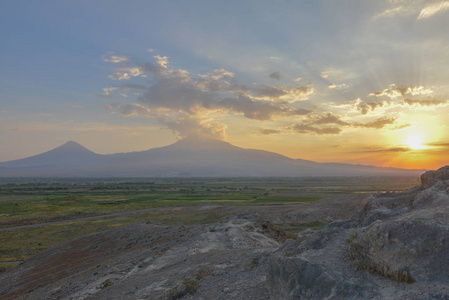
{"type": "Point", "coordinates": [431, 177]}
{"type": "Point", "coordinates": [296, 278]}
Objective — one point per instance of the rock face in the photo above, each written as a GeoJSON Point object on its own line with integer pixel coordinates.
{"type": "Point", "coordinates": [403, 237]}
{"type": "Point", "coordinates": [300, 279]}
{"type": "Point", "coordinates": [407, 237]}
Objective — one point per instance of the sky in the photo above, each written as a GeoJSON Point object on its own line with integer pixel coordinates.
{"type": "Point", "coordinates": [353, 81]}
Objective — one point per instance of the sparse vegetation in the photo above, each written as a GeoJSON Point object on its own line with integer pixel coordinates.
{"type": "Point", "coordinates": [42, 201]}
{"type": "Point", "coordinates": [189, 285]}
{"type": "Point", "coordinates": [106, 283]}
{"type": "Point", "coordinates": [353, 236]}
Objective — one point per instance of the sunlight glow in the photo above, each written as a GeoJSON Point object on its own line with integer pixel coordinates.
{"type": "Point", "coordinates": [415, 142]}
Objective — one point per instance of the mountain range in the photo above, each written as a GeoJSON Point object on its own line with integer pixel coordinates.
{"type": "Point", "coordinates": [190, 157]}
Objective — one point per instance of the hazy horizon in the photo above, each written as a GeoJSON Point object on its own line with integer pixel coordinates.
{"type": "Point", "coordinates": [359, 82]}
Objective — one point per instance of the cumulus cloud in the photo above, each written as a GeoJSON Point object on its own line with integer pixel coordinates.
{"type": "Point", "coordinates": [115, 59]}
{"type": "Point", "coordinates": [218, 74]}
{"type": "Point", "coordinates": [186, 125]}
{"type": "Point", "coordinates": [433, 8]}
{"type": "Point", "coordinates": [337, 86]}
{"type": "Point", "coordinates": [107, 92]}
{"type": "Point", "coordinates": [275, 75]}
{"type": "Point", "coordinates": [395, 91]}
{"type": "Point", "coordinates": [365, 107]}
{"type": "Point", "coordinates": [126, 73]}
{"type": "Point", "coordinates": [180, 95]}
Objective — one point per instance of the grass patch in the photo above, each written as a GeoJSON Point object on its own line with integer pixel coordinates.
{"type": "Point", "coordinates": [189, 285]}
{"type": "Point", "coordinates": [19, 244]}
{"type": "Point", "coordinates": [273, 199]}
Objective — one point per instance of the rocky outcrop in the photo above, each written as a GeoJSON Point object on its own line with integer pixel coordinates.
{"type": "Point", "coordinates": [297, 278]}
{"type": "Point", "coordinates": [431, 177]}
{"type": "Point", "coordinates": [403, 237]}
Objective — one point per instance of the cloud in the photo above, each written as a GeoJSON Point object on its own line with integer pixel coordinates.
{"type": "Point", "coordinates": [177, 94]}
{"type": "Point", "coordinates": [275, 75]}
{"type": "Point", "coordinates": [135, 87]}
{"type": "Point", "coordinates": [438, 145]}
{"type": "Point", "coordinates": [259, 110]}
{"type": "Point", "coordinates": [297, 79]}
{"type": "Point", "coordinates": [433, 8]}
{"type": "Point", "coordinates": [285, 93]}
{"type": "Point", "coordinates": [378, 123]}
{"type": "Point", "coordinates": [428, 102]}
{"type": "Point", "coordinates": [218, 74]}
{"type": "Point", "coordinates": [266, 131]}
{"type": "Point", "coordinates": [113, 58]}
{"type": "Point", "coordinates": [338, 86]}
{"type": "Point", "coordinates": [305, 129]}
{"type": "Point", "coordinates": [126, 73]}
{"type": "Point", "coordinates": [384, 150]}
{"type": "Point", "coordinates": [129, 110]}
{"type": "Point", "coordinates": [107, 92]}
{"type": "Point", "coordinates": [400, 127]}
{"type": "Point", "coordinates": [314, 124]}
{"type": "Point", "coordinates": [391, 12]}
{"type": "Point", "coordinates": [187, 125]}
{"type": "Point", "coordinates": [326, 119]}
{"type": "Point", "coordinates": [270, 92]}
{"type": "Point", "coordinates": [365, 107]}
{"type": "Point", "coordinates": [395, 91]}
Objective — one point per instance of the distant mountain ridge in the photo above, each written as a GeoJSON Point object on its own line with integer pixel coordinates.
{"type": "Point", "coordinates": [190, 157]}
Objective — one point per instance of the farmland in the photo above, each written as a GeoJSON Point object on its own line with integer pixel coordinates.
{"type": "Point", "coordinates": [36, 214]}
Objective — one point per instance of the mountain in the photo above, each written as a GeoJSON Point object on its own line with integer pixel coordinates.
{"type": "Point", "coordinates": [190, 157]}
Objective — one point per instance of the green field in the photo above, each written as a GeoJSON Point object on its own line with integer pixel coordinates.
{"type": "Point", "coordinates": [93, 205]}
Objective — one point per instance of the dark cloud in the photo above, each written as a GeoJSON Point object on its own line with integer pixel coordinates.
{"type": "Point", "coordinates": [179, 94]}
{"type": "Point", "coordinates": [326, 119]}
{"type": "Point", "coordinates": [365, 107]}
{"type": "Point", "coordinates": [275, 75]}
{"type": "Point", "coordinates": [271, 92]}
{"type": "Point", "coordinates": [257, 109]}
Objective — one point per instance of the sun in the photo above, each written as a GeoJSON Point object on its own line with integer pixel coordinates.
{"type": "Point", "coordinates": [414, 141]}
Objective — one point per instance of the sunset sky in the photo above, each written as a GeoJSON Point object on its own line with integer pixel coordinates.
{"type": "Point", "coordinates": [356, 81]}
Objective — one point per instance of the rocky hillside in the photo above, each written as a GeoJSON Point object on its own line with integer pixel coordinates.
{"type": "Point", "coordinates": [395, 246]}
